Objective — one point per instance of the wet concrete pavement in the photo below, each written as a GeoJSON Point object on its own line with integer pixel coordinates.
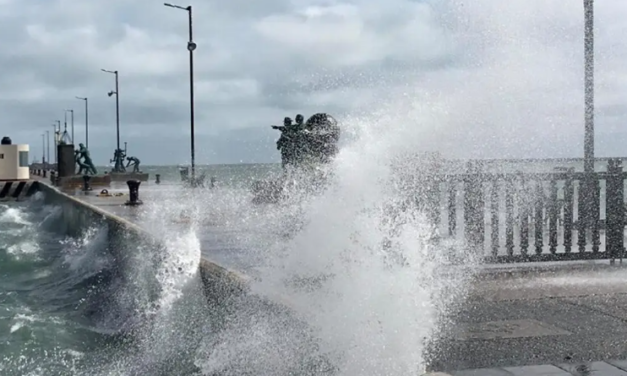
{"type": "Point", "coordinates": [610, 368]}
{"type": "Point", "coordinates": [528, 332]}
{"type": "Point", "coordinates": [567, 318]}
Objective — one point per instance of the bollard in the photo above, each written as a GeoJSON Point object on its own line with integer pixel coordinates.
{"type": "Point", "coordinates": [44, 173]}
{"type": "Point", "coordinates": [158, 177]}
{"type": "Point", "coordinates": [86, 183]}
{"type": "Point", "coordinates": [133, 192]}
{"type": "Point", "coordinates": [52, 177]}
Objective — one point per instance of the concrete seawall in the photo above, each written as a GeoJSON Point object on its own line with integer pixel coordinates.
{"type": "Point", "coordinates": [220, 284]}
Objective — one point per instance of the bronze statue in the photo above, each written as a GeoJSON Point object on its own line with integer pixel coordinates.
{"type": "Point", "coordinates": [82, 168]}
{"type": "Point", "coordinates": [299, 119]}
{"type": "Point", "coordinates": [135, 163]}
{"type": "Point", "coordinates": [287, 141]}
{"type": "Point", "coordinates": [322, 137]}
{"type": "Point", "coordinates": [86, 165]}
{"type": "Point", "coordinates": [118, 158]}
{"type": "Point", "coordinates": [315, 141]}
{"type": "Point", "coordinates": [305, 146]}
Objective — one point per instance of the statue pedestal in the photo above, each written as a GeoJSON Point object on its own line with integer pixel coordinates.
{"type": "Point", "coordinates": [125, 176]}
{"type": "Point", "coordinates": [76, 181]}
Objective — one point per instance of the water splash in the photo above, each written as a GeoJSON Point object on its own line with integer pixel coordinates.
{"type": "Point", "coordinates": [356, 263]}
{"type": "Point", "coordinates": [86, 252]}
{"type": "Point", "coordinates": [14, 215]}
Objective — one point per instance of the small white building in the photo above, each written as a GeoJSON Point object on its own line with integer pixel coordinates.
{"type": "Point", "coordinates": [14, 163]}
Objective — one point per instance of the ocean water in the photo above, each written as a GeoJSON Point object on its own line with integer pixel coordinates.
{"type": "Point", "coordinates": [231, 175]}
{"type": "Point", "coordinates": [48, 285]}
{"type": "Point", "coordinates": [243, 175]}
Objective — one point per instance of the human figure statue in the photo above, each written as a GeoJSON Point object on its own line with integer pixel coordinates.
{"type": "Point", "coordinates": [86, 165]}
{"type": "Point", "coordinates": [286, 143]}
{"type": "Point", "coordinates": [322, 137]}
{"type": "Point", "coordinates": [299, 119]}
{"type": "Point", "coordinates": [135, 162]}
{"type": "Point", "coordinates": [82, 168]}
{"type": "Point", "coordinates": [118, 158]}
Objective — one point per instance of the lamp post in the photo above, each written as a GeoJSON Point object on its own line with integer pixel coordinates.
{"type": "Point", "coordinates": [64, 122]}
{"type": "Point", "coordinates": [589, 85]}
{"type": "Point", "coordinates": [86, 122]}
{"type": "Point", "coordinates": [43, 149]}
{"type": "Point", "coordinates": [590, 185]}
{"type": "Point", "coordinates": [48, 153]}
{"type": "Point", "coordinates": [191, 46]}
{"type": "Point", "coordinates": [55, 138]}
{"type": "Point", "coordinates": [71, 122]}
{"type": "Point", "coordinates": [117, 104]}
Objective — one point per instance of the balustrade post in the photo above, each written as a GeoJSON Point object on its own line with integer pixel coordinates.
{"type": "Point", "coordinates": [474, 207]}
{"type": "Point", "coordinates": [614, 209]}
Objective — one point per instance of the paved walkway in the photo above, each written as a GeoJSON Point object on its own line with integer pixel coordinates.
{"type": "Point", "coordinates": [610, 368]}
{"type": "Point", "coordinates": [558, 318]}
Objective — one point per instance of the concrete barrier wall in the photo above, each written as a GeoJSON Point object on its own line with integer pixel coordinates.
{"type": "Point", "coordinates": [219, 283]}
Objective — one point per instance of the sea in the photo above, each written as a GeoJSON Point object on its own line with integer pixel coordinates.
{"type": "Point", "coordinates": [66, 308]}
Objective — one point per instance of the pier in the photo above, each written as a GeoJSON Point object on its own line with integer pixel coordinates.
{"type": "Point", "coordinates": [547, 294]}
{"type": "Point", "coordinates": [516, 315]}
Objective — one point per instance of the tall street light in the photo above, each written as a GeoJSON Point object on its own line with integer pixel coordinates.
{"type": "Point", "coordinates": [71, 122]}
{"type": "Point", "coordinates": [43, 149]}
{"type": "Point", "coordinates": [117, 104]}
{"type": "Point", "coordinates": [86, 122]}
{"type": "Point", "coordinates": [55, 138]}
{"type": "Point", "coordinates": [64, 123]}
{"type": "Point", "coordinates": [57, 135]}
{"type": "Point", "coordinates": [191, 46]}
{"type": "Point", "coordinates": [589, 85]}
{"type": "Point", "coordinates": [48, 153]}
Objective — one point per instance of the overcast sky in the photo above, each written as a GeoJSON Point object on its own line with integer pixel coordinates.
{"type": "Point", "coordinates": [506, 77]}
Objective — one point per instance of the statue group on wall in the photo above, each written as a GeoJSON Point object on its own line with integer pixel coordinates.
{"type": "Point", "coordinates": [119, 156]}
{"type": "Point", "coordinates": [313, 141]}
{"type": "Point", "coordinates": [84, 162]}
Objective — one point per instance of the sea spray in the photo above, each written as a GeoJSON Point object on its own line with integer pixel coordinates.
{"type": "Point", "coordinates": [357, 270]}
{"type": "Point", "coordinates": [160, 292]}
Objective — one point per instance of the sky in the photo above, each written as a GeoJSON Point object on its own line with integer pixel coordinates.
{"type": "Point", "coordinates": [500, 79]}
